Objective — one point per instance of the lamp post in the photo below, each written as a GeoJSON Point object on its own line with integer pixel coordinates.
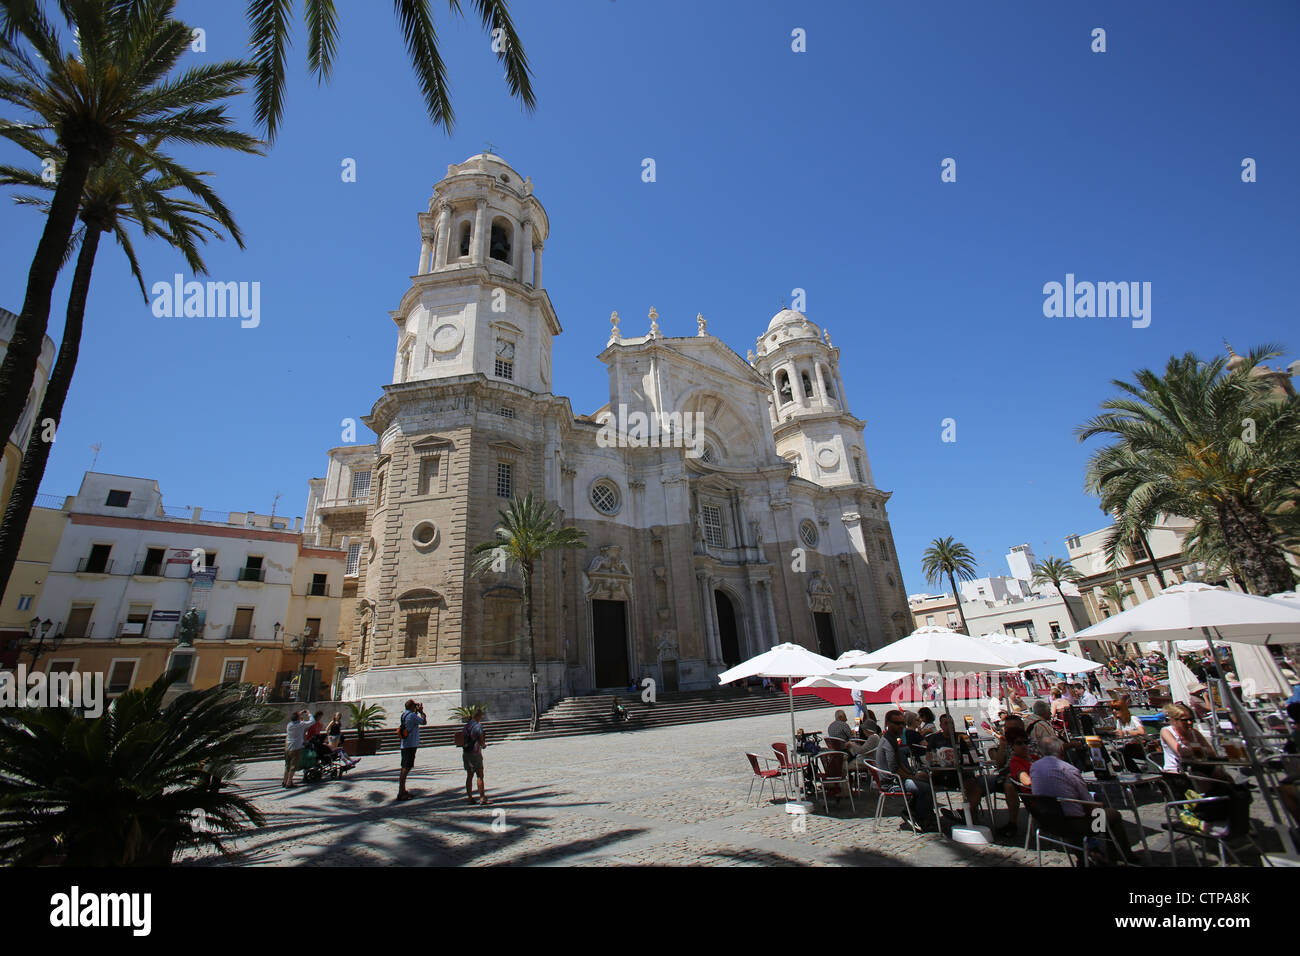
{"type": "Point", "coordinates": [38, 641]}
{"type": "Point", "coordinates": [303, 644]}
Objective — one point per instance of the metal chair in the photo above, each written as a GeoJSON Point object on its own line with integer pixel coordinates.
{"type": "Point", "coordinates": [788, 766]}
{"type": "Point", "coordinates": [763, 776]}
{"type": "Point", "coordinates": [1047, 819]}
{"type": "Point", "coordinates": [1179, 830]}
{"type": "Point", "coordinates": [831, 768]}
{"type": "Point", "coordinates": [890, 785]}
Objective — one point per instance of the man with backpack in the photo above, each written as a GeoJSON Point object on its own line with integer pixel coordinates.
{"type": "Point", "coordinates": [472, 746]}
{"type": "Point", "coordinates": [409, 731]}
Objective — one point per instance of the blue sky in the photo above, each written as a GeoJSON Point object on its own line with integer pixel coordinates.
{"type": "Point", "coordinates": [776, 170]}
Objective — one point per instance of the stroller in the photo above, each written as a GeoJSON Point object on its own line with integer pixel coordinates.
{"type": "Point", "coordinates": [319, 762]}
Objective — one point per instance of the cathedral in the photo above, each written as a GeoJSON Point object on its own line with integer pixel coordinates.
{"type": "Point", "coordinates": [727, 501]}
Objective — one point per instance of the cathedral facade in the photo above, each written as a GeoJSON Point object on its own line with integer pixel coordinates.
{"type": "Point", "coordinates": [727, 501]}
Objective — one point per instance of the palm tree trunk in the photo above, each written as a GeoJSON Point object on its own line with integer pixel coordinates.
{"type": "Point", "coordinates": [1069, 612]}
{"type": "Point", "coordinates": [952, 582]}
{"type": "Point", "coordinates": [1253, 543]}
{"type": "Point", "coordinates": [18, 370]}
{"type": "Point", "coordinates": [532, 646]}
{"type": "Point", "coordinates": [32, 469]}
{"type": "Point", "coordinates": [1151, 556]}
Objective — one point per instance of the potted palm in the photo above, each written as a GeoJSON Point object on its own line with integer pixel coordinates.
{"type": "Point", "coordinates": [363, 717]}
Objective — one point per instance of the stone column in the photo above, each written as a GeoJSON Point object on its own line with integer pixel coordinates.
{"type": "Point", "coordinates": [756, 637]}
{"type": "Point", "coordinates": [443, 236]}
{"type": "Point", "coordinates": [478, 245]}
{"type": "Point", "coordinates": [771, 612]}
{"type": "Point", "coordinates": [537, 266]}
{"type": "Point", "coordinates": [796, 382]}
{"type": "Point", "coordinates": [711, 642]}
{"type": "Point", "coordinates": [426, 247]}
{"type": "Point", "coordinates": [821, 381]}
{"type": "Point", "coordinates": [525, 247]}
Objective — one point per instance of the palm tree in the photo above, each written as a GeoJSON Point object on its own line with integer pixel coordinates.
{"type": "Point", "coordinates": [1114, 595]}
{"type": "Point", "coordinates": [1219, 446]}
{"type": "Point", "coordinates": [130, 788]}
{"type": "Point", "coordinates": [114, 94]}
{"type": "Point", "coordinates": [124, 191]}
{"type": "Point", "coordinates": [1053, 571]}
{"type": "Point", "coordinates": [268, 22]}
{"type": "Point", "coordinates": [948, 556]}
{"type": "Point", "coordinates": [528, 530]}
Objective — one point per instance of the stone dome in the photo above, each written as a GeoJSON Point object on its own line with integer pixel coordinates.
{"type": "Point", "coordinates": [795, 323]}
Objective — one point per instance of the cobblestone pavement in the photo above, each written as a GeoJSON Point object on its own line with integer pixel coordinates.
{"type": "Point", "coordinates": [661, 796]}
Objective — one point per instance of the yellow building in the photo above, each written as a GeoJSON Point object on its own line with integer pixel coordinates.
{"type": "Point", "coordinates": [21, 598]}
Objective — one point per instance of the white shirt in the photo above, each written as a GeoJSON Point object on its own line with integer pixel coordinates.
{"type": "Point", "coordinates": [294, 735]}
{"type": "Point", "coordinates": [1089, 699]}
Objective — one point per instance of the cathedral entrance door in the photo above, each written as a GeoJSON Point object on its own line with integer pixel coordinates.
{"type": "Point", "coordinates": [727, 635]}
{"type": "Point", "coordinates": [609, 635]}
{"type": "Point", "coordinates": [825, 634]}
{"type": "Point", "coordinates": [669, 669]}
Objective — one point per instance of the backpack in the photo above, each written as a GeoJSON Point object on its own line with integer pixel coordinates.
{"type": "Point", "coordinates": [402, 732]}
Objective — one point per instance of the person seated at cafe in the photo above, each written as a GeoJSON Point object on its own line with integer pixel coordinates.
{"type": "Point", "coordinates": [1185, 768]}
{"type": "Point", "coordinates": [941, 748]}
{"type": "Point", "coordinates": [1050, 776]}
{"type": "Point", "coordinates": [926, 727]}
{"type": "Point", "coordinates": [912, 721]}
{"type": "Point", "coordinates": [862, 747]}
{"type": "Point", "coordinates": [1130, 730]}
{"type": "Point", "coordinates": [840, 728]}
{"type": "Point", "coordinates": [1086, 697]}
{"type": "Point", "coordinates": [870, 722]}
{"type": "Point", "coordinates": [1021, 761]}
{"type": "Point", "coordinates": [895, 756]}
{"type": "Point", "coordinates": [1201, 708]}
{"type": "Point", "coordinates": [1039, 727]}
{"type": "Point", "coordinates": [1060, 704]}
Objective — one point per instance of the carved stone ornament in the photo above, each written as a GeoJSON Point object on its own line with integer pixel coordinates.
{"type": "Point", "coordinates": [819, 592]}
{"type": "Point", "coordinates": [608, 576]}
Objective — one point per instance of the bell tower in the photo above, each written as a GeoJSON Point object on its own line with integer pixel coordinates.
{"type": "Point", "coordinates": [809, 413]}
{"type": "Point", "coordinates": [476, 302]}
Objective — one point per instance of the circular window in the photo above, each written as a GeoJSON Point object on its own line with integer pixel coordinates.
{"type": "Point", "coordinates": [706, 454]}
{"type": "Point", "coordinates": [604, 497]}
{"type": "Point", "coordinates": [808, 531]}
{"type": "Point", "coordinates": [425, 534]}
{"type": "Point", "coordinates": [371, 550]}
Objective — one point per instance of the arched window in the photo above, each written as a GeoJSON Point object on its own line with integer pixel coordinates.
{"type": "Point", "coordinates": [501, 240]}
{"type": "Point", "coordinates": [464, 238]}
{"type": "Point", "coordinates": [826, 377]}
{"type": "Point", "coordinates": [807, 384]}
{"type": "Point", "coordinates": [783, 387]}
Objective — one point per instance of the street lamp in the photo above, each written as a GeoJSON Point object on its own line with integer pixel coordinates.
{"type": "Point", "coordinates": [304, 644]}
{"type": "Point", "coordinates": [38, 641]}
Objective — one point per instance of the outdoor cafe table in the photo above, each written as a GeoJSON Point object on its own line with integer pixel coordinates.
{"type": "Point", "coordinates": [1127, 784]}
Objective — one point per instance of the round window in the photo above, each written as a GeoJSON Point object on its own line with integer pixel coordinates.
{"type": "Point", "coordinates": [706, 454]}
{"type": "Point", "coordinates": [425, 534]}
{"type": "Point", "coordinates": [604, 497]}
{"type": "Point", "coordinates": [808, 531]}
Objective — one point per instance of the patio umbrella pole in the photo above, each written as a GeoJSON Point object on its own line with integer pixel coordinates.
{"type": "Point", "coordinates": [956, 744]}
{"type": "Point", "coordinates": [1283, 831]}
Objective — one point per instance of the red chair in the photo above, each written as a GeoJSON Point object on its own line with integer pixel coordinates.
{"type": "Point", "coordinates": [762, 777]}
{"type": "Point", "coordinates": [890, 785]}
{"type": "Point", "coordinates": [791, 768]}
{"type": "Point", "coordinates": [831, 769]}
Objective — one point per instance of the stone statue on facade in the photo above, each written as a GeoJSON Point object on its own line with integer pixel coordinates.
{"type": "Point", "coordinates": [188, 631]}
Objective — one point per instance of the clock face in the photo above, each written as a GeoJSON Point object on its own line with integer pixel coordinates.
{"type": "Point", "coordinates": [446, 337]}
{"type": "Point", "coordinates": [505, 349]}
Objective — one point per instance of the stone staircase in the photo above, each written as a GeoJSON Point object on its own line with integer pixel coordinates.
{"type": "Point", "coordinates": [574, 716]}
{"type": "Point", "coordinates": [591, 715]}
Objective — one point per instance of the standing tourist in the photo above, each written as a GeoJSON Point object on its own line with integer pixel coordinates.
{"type": "Point", "coordinates": [409, 731]}
{"type": "Point", "coordinates": [472, 757]}
{"type": "Point", "coordinates": [293, 745]}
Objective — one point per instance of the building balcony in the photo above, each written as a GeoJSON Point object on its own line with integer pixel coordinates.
{"type": "Point", "coordinates": [89, 566]}
{"type": "Point", "coordinates": [336, 505]}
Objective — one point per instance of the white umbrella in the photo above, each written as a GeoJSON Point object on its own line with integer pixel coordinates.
{"type": "Point", "coordinates": [1069, 664]}
{"type": "Point", "coordinates": [942, 650]}
{"type": "Point", "coordinates": [856, 679]}
{"type": "Point", "coordinates": [1023, 653]}
{"type": "Point", "coordinates": [1258, 671]}
{"type": "Point", "coordinates": [1181, 677]}
{"type": "Point", "coordinates": [1185, 609]}
{"type": "Point", "coordinates": [787, 662]}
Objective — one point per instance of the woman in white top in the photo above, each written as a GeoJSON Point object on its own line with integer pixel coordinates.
{"type": "Point", "coordinates": [1183, 747]}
